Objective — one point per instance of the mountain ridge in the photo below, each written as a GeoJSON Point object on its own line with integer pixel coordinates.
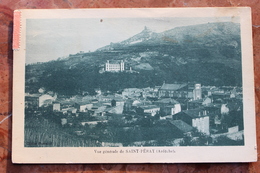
{"type": "Point", "coordinates": [184, 34]}
{"type": "Point", "coordinates": [207, 53]}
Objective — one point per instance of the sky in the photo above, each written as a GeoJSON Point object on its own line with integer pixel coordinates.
{"type": "Point", "coordinates": [50, 39]}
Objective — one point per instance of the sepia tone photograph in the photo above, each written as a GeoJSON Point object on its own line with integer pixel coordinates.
{"type": "Point", "coordinates": [135, 84]}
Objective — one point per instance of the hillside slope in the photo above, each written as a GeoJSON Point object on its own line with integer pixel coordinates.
{"type": "Point", "coordinates": [208, 53]}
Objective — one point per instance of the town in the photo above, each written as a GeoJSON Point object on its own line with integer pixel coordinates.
{"type": "Point", "coordinates": [173, 114]}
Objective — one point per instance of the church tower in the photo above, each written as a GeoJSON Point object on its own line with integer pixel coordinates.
{"type": "Point", "coordinates": [122, 65]}
{"type": "Point", "coordinates": [197, 94]}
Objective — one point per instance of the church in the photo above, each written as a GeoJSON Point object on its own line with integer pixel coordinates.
{"type": "Point", "coordinates": [180, 90]}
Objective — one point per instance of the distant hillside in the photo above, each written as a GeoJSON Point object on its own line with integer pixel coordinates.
{"type": "Point", "coordinates": [208, 53]}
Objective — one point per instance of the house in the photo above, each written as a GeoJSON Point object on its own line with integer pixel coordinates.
{"type": "Point", "coordinates": [150, 109]}
{"type": "Point", "coordinates": [193, 104]}
{"type": "Point", "coordinates": [172, 109]}
{"type": "Point", "coordinates": [56, 106]}
{"type": "Point", "coordinates": [72, 110]}
{"type": "Point", "coordinates": [64, 110]}
{"type": "Point", "coordinates": [164, 117]}
{"type": "Point", "coordinates": [38, 100]}
{"type": "Point", "coordinates": [117, 102]}
{"type": "Point", "coordinates": [46, 99]}
{"type": "Point", "coordinates": [220, 97]}
{"type": "Point", "coordinates": [32, 101]}
{"type": "Point", "coordinates": [168, 105]}
{"type": "Point", "coordinates": [107, 98]}
{"type": "Point", "coordinates": [214, 112]}
{"type": "Point", "coordinates": [83, 106]}
{"type": "Point", "coordinates": [100, 111]}
{"type": "Point", "coordinates": [181, 128]}
{"type": "Point", "coordinates": [116, 109]}
{"type": "Point", "coordinates": [66, 104]}
{"type": "Point", "coordinates": [132, 92]}
{"type": "Point", "coordinates": [197, 118]}
{"type": "Point", "coordinates": [165, 102]}
{"type": "Point", "coordinates": [128, 105]}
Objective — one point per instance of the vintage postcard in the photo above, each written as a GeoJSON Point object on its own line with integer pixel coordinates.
{"type": "Point", "coordinates": [159, 85]}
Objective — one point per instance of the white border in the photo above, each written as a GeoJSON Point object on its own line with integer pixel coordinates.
{"type": "Point", "coordinates": [246, 153]}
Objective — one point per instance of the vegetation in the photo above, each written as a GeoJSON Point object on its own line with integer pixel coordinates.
{"type": "Point", "coordinates": [44, 131]}
{"type": "Point", "coordinates": [225, 141]}
{"type": "Point", "coordinates": [211, 59]}
{"type": "Point", "coordinates": [86, 79]}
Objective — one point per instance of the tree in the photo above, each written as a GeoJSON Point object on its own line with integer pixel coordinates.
{"type": "Point", "coordinates": [186, 141]}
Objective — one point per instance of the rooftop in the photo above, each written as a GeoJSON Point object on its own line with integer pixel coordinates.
{"type": "Point", "coordinates": [83, 102]}
{"type": "Point", "coordinates": [195, 113]}
{"type": "Point", "coordinates": [167, 100]}
{"type": "Point", "coordinates": [149, 107]}
{"type": "Point", "coordinates": [173, 86]}
{"type": "Point", "coordinates": [181, 125]}
{"type": "Point", "coordinates": [196, 101]}
{"type": "Point", "coordinates": [114, 61]}
{"type": "Point", "coordinates": [33, 95]}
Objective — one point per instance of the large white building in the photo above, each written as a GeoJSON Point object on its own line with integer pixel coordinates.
{"type": "Point", "coordinates": [115, 67]}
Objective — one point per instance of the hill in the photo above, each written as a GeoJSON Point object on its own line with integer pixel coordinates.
{"type": "Point", "coordinates": [208, 53]}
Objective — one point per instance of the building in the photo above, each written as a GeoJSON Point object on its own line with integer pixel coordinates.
{"type": "Point", "coordinates": [117, 102]}
{"type": "Point", "coordinates": [173, 90]}
{"type": "Point", "coordinates": [131, 92]}
{"type": "Point", "coordinates": [214, 112]}
{"type": "Point", "coordinates": [114, 67]}
{"type": "Point", "coordinates": [83, 106]}
{"type": "Point", "coordinates": [71, 111]}
{"type": "Point", "coordinates": [220, 97]}
{"type": "Point", "coordinates": [115, 110]}
{"type": "Point", "coordinates": [172, 109]}
{"type": "Point", "coordinates": [197, 94]}
{"type": "Point", "coordinates": [197, 118]}
{"type": "Point", "coordinates": [46, 99]}
{"type": "Point", "coordinates": [150, 109]}
{"type": "Point", "coordinates": [128, 105]}
{"type": "Point", "coordinates": [181, 128]}
{"type": "Point", "coordinates": [168, 105]}
{"type": "Point", "coordinates": [32, 101]}
{"type": "Point", "coordinates": [56, 106]}
{"type": "Point", "coordinates": [35, 101]}
{"type": "Point", "coordinates": [193, 104]}
{"type": "Point", "coordinates": [181, 90]}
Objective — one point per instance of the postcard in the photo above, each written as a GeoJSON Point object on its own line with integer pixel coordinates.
{"type": "Point", "coordinates": [144, 85]}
